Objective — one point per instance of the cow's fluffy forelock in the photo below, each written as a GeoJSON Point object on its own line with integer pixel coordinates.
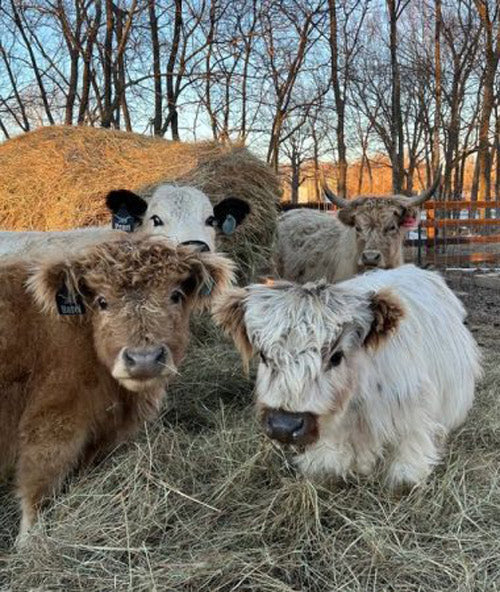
{"type": "Point", "coordinates": [297, 329]}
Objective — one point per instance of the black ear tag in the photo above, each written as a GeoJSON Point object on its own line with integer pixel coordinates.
{"type": "Point", "coordinates": [229, 224]}
{"type": "Point", "coordinates": [206, 289]}
{"type": "Point", "coordinates": [69, 304]}
{"type": "Point", "coordinates": [123, 220]}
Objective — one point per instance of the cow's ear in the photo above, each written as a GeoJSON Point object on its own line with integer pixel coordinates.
{"type": "Point", "coordinates": [387, 311]}
{"type": "Point", "coordinates": [230, 213]}
{"type": "Point", "coordinates": [210, 274]}
{"type": "Point", "coordinates": [229, 313]}
{"type": "Point", "coordinates": [58, 287]}
{"type": "Point", "coordinates": [409, 218]}
{"type": "Point", "coordinates": [127, 209]}
{"type": "Point", "coordinates": [346, 216]}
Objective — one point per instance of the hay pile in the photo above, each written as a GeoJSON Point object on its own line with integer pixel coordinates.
{"type": "Point", "coordinates": [202, 502]}
{"type": "Point", "coordinates": [56, 178]}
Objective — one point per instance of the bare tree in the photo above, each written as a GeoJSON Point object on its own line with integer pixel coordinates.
{"type": "Point", "coordinates": [491, 32]}
{"type": "Point", "coordinates": [436, 158]}
{"type": "Point", "coordinates": [341, 71]}
{"type": "Point", "coordinates": [395, 9]}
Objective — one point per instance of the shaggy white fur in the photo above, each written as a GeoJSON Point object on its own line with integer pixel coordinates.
{"type": "Point", "coordinates": [391, 399]}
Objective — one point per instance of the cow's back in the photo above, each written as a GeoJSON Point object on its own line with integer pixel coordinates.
{"type": "Point", "coordinates": [313, 245]}
{"type": "Point", "coordinates": [20, 243]}
{"type": "Point", "coordinates": [432, 347]}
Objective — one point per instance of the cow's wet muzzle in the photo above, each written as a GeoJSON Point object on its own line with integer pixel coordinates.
{"type": "Point", "coordinates": [146, 362]}
{"type": "Point", "coordinates": [371, 258]}
{"type": "Point", "coordinates": [290, 428]}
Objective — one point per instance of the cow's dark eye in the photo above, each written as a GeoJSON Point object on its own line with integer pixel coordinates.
{"type": "Point", "coordinates": [263, 358]}
{"type": "Point", "coordinates": [102, 303]}
{"type": "Point", "coordinates": [211, 221]}
{"type": "Point", "coordinates": [157, 221]}
{"type": "Point", "coordinates": [358, 228]}
{"type": "Point", "coordinates": [392, 228]}
{"type": "Point", "coordinates": [177, 296]}
{"type": "Point", "coordinates": [336, 358]}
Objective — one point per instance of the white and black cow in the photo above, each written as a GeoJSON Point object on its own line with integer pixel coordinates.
{"type": "Point", "coordinates": [184, 214]}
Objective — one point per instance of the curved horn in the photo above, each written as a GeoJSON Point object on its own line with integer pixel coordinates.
{"type": "Point", "coordinates": [332, 198]}
{"type": "Point", "coordinates": [429, 192]}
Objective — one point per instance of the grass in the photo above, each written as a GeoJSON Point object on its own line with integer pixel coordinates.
{"type": "Point", "coordinates": [203, 502]}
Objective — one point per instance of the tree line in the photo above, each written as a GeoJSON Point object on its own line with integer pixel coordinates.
{"type": "Point", "coordinates": [299, 80]}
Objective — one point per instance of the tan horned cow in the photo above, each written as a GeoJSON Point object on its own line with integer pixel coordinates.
{"type": "Point", "coordinates": [367, 232]}
{"type": "Point", "coordinates": [87, 345]}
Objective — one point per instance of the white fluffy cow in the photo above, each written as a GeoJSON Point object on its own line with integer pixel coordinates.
{"type": "Point", "coordinates": [183, 213]}
{"type": "Point", "coordinates": [367, 232]}
{"type": "Point", "coordinates": [374, 371]}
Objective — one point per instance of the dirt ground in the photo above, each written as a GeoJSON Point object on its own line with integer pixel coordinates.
{"type": "Point", "coordinates": [203, 502]}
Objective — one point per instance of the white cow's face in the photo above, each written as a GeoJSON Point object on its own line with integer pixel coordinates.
{"type": "Point", "coordinates": [183, 214]}
{"type": "Point", "coordinates": [309, 339]}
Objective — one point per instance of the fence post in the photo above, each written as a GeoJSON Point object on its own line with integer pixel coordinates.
{"type": "Point", "coordinates": [430, 216]}
{"type": "Point", "coordinates": [419, 245]}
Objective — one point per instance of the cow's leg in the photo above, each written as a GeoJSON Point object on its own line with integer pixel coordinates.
{"type": "Point", "coordinates": [51, 443]}
{"type": "Point", "coordinates": [415, 456]}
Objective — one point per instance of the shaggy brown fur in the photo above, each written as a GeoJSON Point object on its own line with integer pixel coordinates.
{"type": "Point", "coordinates": [61, 398]}
{"type": "Point", "coordinates": [388, 311]}
{"type": "Point", "coordinates": [229, 314]}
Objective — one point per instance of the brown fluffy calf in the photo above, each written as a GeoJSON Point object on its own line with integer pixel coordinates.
{"type": "Point", "coordinates": [73, 385]}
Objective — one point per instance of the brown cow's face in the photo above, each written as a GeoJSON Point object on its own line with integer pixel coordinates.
{"type": "Point", "coordinates": [141, 334]}
{"type": "Point", "coordinates": [380, 225]}
{"type": "Point", "coordinates": [137, 296]}
{"type": "Point", "coordinates": [310, 340]}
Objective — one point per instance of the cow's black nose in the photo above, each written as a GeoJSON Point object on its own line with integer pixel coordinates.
{"type": "Point", "coordinates": [145, 362]}
{"type": "Point", "coordinates": [198, 245]}
{"type": "Point", "coordinates": [371, 257]}
{"type": "Point", "coordinates": [290, 428]}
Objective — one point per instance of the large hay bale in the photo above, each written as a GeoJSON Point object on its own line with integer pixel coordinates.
{"type": "Point", "coordinates": [56, 178]}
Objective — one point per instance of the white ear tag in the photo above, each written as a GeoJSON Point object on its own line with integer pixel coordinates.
{"type": "Point", "coordinates": [229, 224]}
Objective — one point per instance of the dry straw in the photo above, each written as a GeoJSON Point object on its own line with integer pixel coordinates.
{"type": "Point", "coordinates": [56, 178]}
{"type": "Point", "coordinates": [203, 502]}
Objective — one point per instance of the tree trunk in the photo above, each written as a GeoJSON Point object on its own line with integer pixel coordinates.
{"type": "Point", "coordinates": [492, 54]}
{"type": "Point", "coordinates": [397, 139]}
{"type": "Point", "coordinates": [87, 59]}
{"type": "Point", "coordinates": [20, 26]}
{"type": "Point", "coordinates": [155, 43]}
{"type": "Point", "coordinates": [295, 182]}
{"type": "Point", "coordinates": [25, 124]}
{"type": "Point", "coordinates": [339, 102]}
{"type": "Point", "coordinates": [172, 118]}
{"type": "Point", "coordinates": [107, 65]}
{"type": "Point", "coordinates": [436, 157]}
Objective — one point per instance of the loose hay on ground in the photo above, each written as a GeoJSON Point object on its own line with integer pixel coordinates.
{"type": "Point", "coordinates": [202, 502]}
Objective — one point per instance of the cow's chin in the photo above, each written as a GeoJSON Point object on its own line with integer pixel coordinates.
{"type": "Point", "coordinates": [138, 385]}
{"type": "Point", "coordinates": [362, 267]}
